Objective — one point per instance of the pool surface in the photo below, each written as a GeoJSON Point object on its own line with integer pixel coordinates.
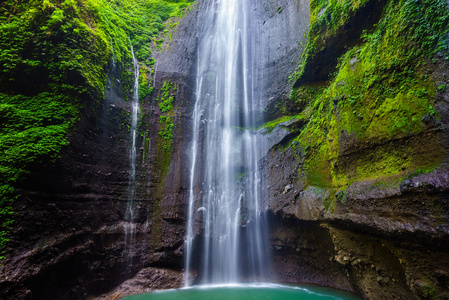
{"type": "Point", "coordinates": [248, 292]}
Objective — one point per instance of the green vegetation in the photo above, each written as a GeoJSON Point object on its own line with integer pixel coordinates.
{"type": "Point", "coordinates": [163, 153]}
{"type": "Point", "coordinates": [381, 90]}
{"type": "Point", "coordinates": [327, 16]}
{"type": "Point", "coordinates": [138, 21]}
{"type": "Point", "coordinates": [327, 19]}
{"type": "Point", "coordinates": [165, 103]}
{"type": "Point", "coordinates": [297, 106]}
{"type": "Point", "coordinates": [54, 58]}
{"type": "Point", "coordinates": [272, 124]}
{"type": "Point", "coordinates": [165, 100]}
{"type": "Point", "coordinates": [166, 132]}
{"type": "Point", "coordinates": [145, 83]}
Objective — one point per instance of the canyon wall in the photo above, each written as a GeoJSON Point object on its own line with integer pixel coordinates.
{"type": "Point", "coordinates": [360, 207]}
{"type": "Point", "coordinates": [358, 177]}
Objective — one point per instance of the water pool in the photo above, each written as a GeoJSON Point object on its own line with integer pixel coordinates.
{"type": "Point", "coordinates": [248, 292]}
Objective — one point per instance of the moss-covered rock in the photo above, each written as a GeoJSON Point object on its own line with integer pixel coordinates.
{"type": "Point", "coordinates": [384, 89]}
{"type": "Point", "coordinates": [55, 57]}
{"type": "Point", "coordinates": [370, 160]}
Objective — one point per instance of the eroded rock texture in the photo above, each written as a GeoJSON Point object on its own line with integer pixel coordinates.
{"type": "Point", "coordinates": [382, 240]}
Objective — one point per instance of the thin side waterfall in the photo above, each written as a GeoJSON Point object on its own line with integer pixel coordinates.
{"type": "Point", "coordinates": [225, 189]}
{"type": "Point", "coordinates": [130, 227]}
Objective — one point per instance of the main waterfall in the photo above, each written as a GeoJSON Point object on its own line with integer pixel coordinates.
{"type": "Point", "coordinates": [225, 184]}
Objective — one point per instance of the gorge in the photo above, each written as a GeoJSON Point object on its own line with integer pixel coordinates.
{"type": "Point", "coordinates": [345, 142]}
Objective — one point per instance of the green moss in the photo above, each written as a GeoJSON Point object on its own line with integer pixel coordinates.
{"type": "Point", "coordinates": [382, 162]}
{"type": "Point", "coordinates": [326, 16]}
{"type": "Point", "coordinates": [430, 292]}
{"type": "Point", "coordinates": [54, 58]}
{"type": "Point", "coordinates": [166, 126]}
{"type": "Point", "coordinates": [272, 124]}
{"type": "Point", "coordinates": [163, 155]}
{"type": "Point", "coordinates": [380, 91]}
{"type": "Point", "coordinates": [330, 202]}
{"type": "Point", "coordinates": [165, 99]}
{"type": "Point", "coordinates": [147, 144]}
{"type": "Point", "coordinates": [136, 20]}
{"type": "Point", "coordinates": [145, 83]}
{"type": "Point", "coordinates": [166, 132]}
{"type": "Point", "coordinates": [420, 171]}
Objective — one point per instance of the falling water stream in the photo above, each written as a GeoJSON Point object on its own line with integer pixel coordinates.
{"type": "Point", "coordinates": [130, 227]}
{"type": "Point", "coordinates": [226, 235]}
{"type": "Point", "coordinates": [224, 174]}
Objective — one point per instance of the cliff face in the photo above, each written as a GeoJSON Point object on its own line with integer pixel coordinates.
{"type": "Point", "coordinates": [280, 29]}
{"type": "Point", "coordinates": [355, 166]}
{"type": "Point", "coordinates": [69, 238]}
{"type": "Point", "coordinates": [357, 181]}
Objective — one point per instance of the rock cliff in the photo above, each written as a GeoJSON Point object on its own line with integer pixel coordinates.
{"type": "Point", "coordinates": [355, 165]}
{"type": "Point", "coordinates": [362, 204]}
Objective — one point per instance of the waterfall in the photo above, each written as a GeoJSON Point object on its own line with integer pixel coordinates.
{"type": "Point", "coordinates": [130, 208]}
{"type": "Point", "coordinates": [224, 195]}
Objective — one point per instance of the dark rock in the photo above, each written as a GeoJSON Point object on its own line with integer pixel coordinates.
{"type": "Point", "coordinates": [347, 142]}
{"type": "Point", "coordinates": [430, 121]}
{"type": "Point", "coordinates": [406, 186]}
{"type": "Point", "coordinates": [281, 171]}
{"type": "Point", "coordinates": [278, 36]}
{"type": "Point", "coordinates": [147, 280]}
{"type": "Point", "coordinates": [302, 252]}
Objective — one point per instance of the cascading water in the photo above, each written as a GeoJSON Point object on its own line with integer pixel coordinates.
{"type": "Point", "coordinates": [130, 208]}
{"type": "Point", "coordinates": [224, 175]}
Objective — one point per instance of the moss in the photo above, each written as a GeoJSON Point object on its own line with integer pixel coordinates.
{"type": "Point", "coordinates": [54, 58]}
{"type": "Point", "coordinates": [166, 126]}
{"type": "Point", "coordinates": [329, 19]}
{"type": "Point", "coordinates": [430, 292]}
{"type": "Point", "coordinates": [330, 201]}
{"type": "Point", "coordinates": [163, 153]}
{"type": "Point", "coordinates": [272, 124]}
{"type": "Point", "coordinates": [420, 171]}
{"type": "Point", "coordinates": [326, 16]}
{"type": "Point", "coordinates": [147, 144]}
{"type": "Point", "coordinates": [145, 83]}
{"type": "Point", "coordinates": [165, 99]}
{"type": "Point", "coordinates": [166, 132]}
{"type": "Point", "coordinates": [380, 92]}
